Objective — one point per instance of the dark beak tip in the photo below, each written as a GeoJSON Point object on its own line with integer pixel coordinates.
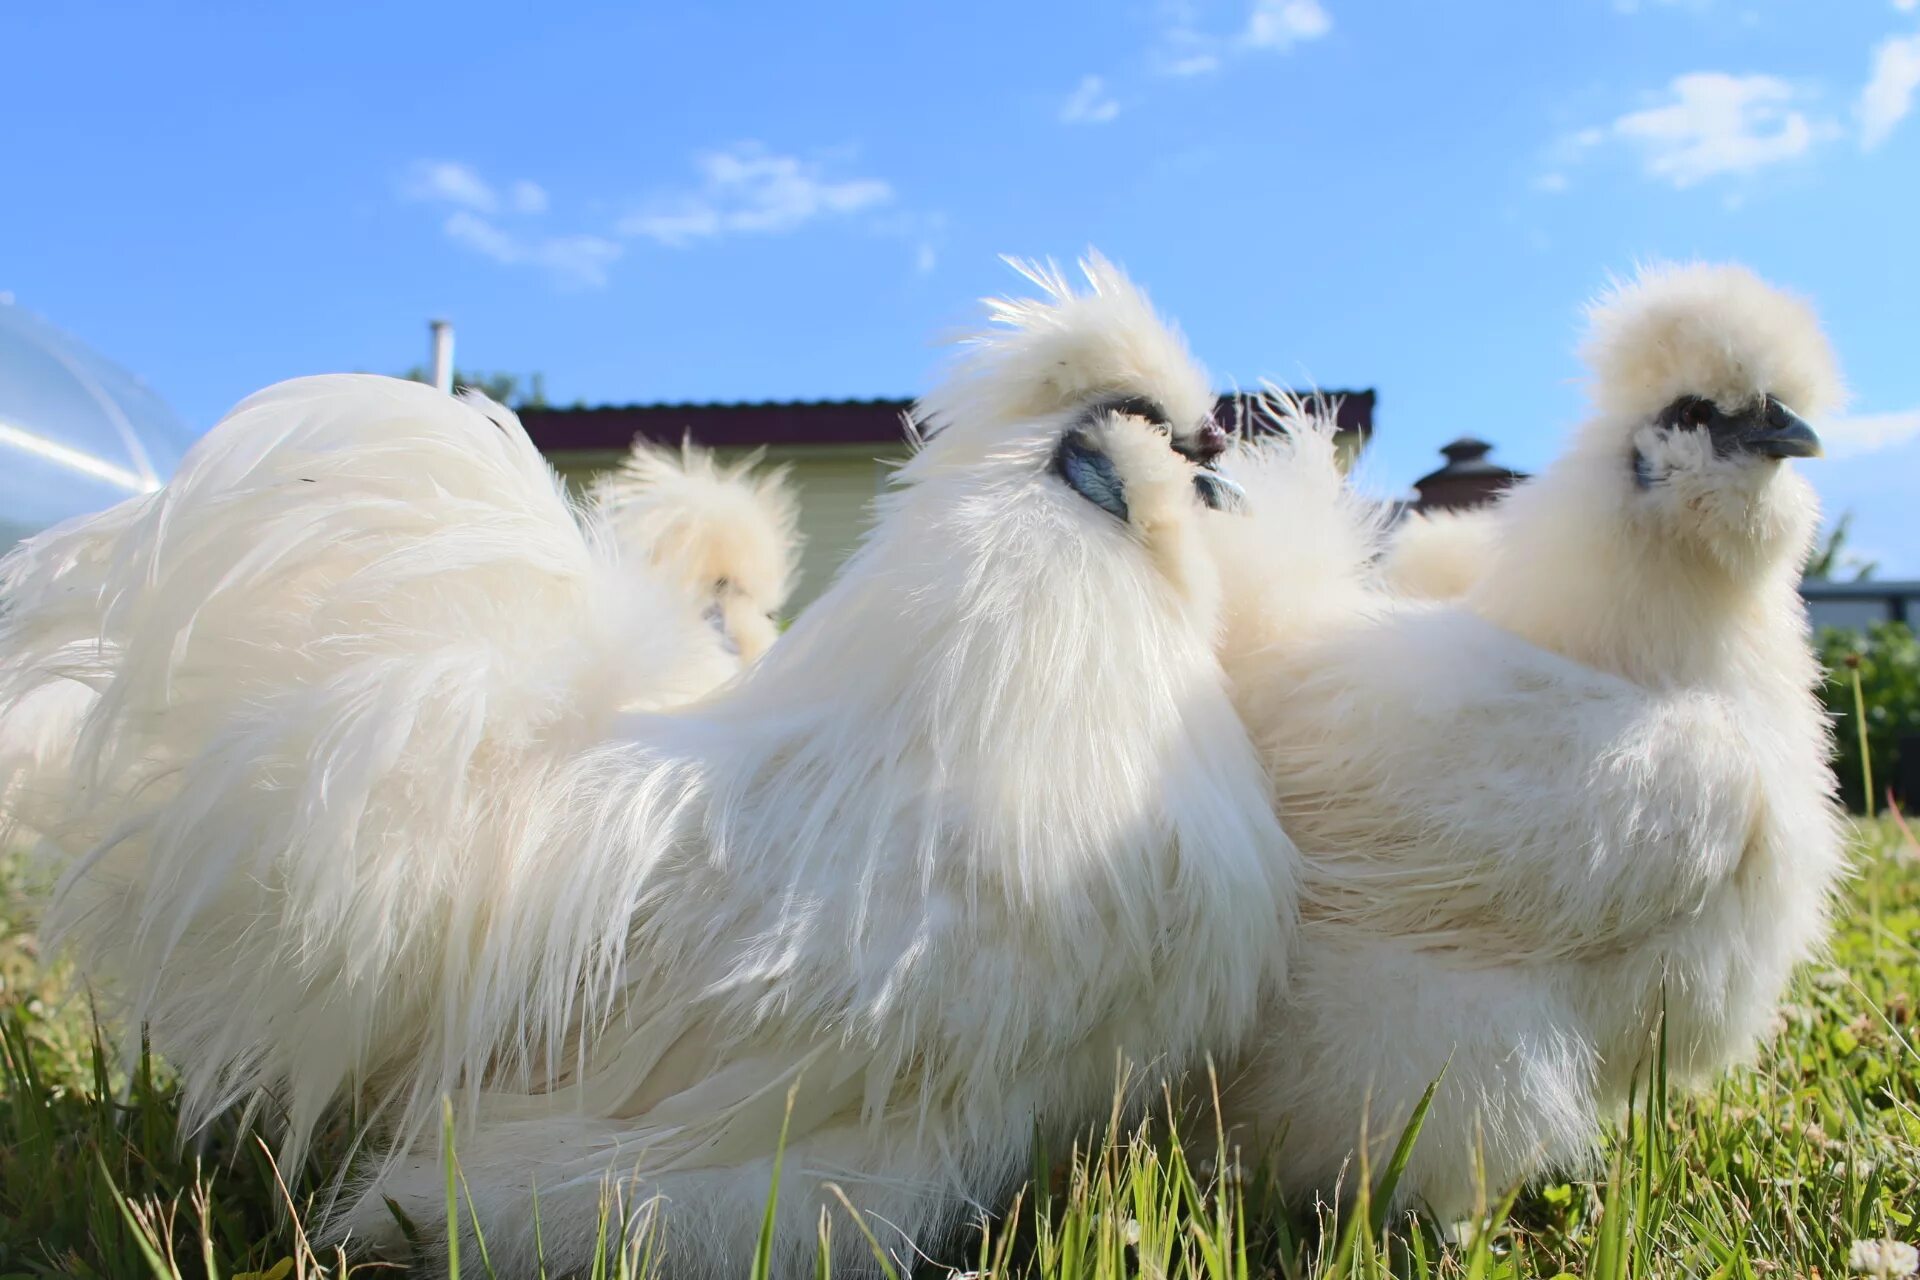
{"type": "Point", "coordinates": [1785, 434]}
{"type": "Point", "coordinates": [1207, 444]}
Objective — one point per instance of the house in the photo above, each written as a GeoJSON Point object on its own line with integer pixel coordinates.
{"type": "Point", "coordinates": [840, 451]}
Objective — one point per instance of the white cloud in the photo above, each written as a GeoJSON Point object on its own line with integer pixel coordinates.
{"type": "Point", "coordinates": [926, 231]}
{"type": "Point", "coordinates": [1869, 433]}
{"type": "Point", "coordinates": [1888, 94]}
{"type": "Point", "coordinates": [1281, 24]}
{"type": "Point", "coordinates": [1184, 49]}
{"type": "Point", "coordinates": [529, 197]}
{"type": "Point", "coordinates": [476, 233]}
{"type": "Point", "coordinates": [1272, 26]}
{"type": "Point", "coordinates": [1089, 103]}
{"type": "Point", "coordinates": [1906, 6]}
{"type": "Point", "coordinates": [1713, 124]}
{"type": "Point", "coordinates": [578, 261]}
{"type": "Point", "coordinates": [574, 261]}
{"type": "Point", "coordinates": [450, 182]}
{"type": "Point", "coordinates": [748, 190]}
{"type": "Point", "coordinates": [1191, 64]}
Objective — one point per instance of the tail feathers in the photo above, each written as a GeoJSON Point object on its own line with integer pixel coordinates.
{"type": "Point", "coordinates": [1439, 555]}
{"type": "Point", "coordinates": [1303, 548]}
{"type": "Point", "coordinates": [727, 534]}
{"type": "Point", "coordinates": [337, 659]}
{"type": "Point", "coordinates": [36, 745]}
{"type": "Point", "coordinates": [59, 576]}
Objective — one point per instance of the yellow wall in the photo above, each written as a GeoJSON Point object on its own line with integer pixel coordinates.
{"type": "Point", "coordinates": [836, 484]}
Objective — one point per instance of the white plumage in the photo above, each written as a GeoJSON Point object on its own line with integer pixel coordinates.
{"type": "Point", "coordinates": [727, 535]}
{"type": "Point", "coordinates": [1598, 783]}
{"type": "Point", "coordinates": [1437, 555]}
{"type": "Point", "coordinates": [39, 726]}
{"type": "Point", "coordinates": [982, 825]}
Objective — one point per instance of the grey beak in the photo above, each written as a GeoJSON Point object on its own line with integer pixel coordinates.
{"type": "Point", "coordinates": [1781, 433]}
{"type": "Point", "coordinates": [1218, 492]}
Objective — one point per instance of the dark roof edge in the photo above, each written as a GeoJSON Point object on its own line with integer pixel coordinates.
{"type": "Point", "coordinates": [750, 424]}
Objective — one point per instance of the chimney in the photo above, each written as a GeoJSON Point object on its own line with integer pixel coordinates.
{"type": "Point", "coordinates": [441, 362]}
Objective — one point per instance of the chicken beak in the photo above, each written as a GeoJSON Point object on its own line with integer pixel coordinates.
{"type": "Point", "coordinates": [1203, 446]}
{"type": "Point", "coordinates": [1219, 493]}
{"type": "Point", "coordinates": [1781, 433]}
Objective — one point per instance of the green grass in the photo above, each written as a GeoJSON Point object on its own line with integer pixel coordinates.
{"type": "Point", "coordinates": [1775, 1173]}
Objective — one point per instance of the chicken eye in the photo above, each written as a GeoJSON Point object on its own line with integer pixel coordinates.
{"type": "Point", "coordinates": [1698, 413]}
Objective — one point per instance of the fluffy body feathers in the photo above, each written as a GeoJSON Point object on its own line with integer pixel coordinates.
{"type": "Point", "coordinates": [1596, 785]}
{"type": "Point", "coordinates": [1437, 555]}
{"type": "Point", "coordinates": [981, 827]}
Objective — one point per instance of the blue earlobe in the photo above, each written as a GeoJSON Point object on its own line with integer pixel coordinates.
{"type": "Point", "coordinates": [1642, 471]}
{"type": "Point", "coordinates": [1091, 474]}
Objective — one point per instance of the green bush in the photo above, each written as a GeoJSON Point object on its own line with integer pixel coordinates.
{"type": "Point", "coordinates": [1888, 659]}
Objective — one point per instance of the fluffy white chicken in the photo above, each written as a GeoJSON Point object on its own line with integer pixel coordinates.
{"type": "Point", "coordinates": [981, 826]}
{"type": "Point", "coordinates": [1437, 555]}
{"type": "Point", "coordinates": [728, 535]}
{"type": "Point", "coordinates": [1597, 785]}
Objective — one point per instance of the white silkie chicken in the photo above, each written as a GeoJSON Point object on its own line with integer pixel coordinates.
{"type": "Point", "coordinates": [981, 826]}
{"type": "Point", "coordinates": [728, 535]}
{"type": "Point", "coordinates": [1597, 786]}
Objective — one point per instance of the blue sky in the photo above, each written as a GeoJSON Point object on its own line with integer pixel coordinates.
{"type": "Point", "coordinates": [741, 201]}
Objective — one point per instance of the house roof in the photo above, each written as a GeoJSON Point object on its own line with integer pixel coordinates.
{"type": "Point", "coordinates": [751, 424]}
{"type": "Point", "coordinates": [1467, 459]}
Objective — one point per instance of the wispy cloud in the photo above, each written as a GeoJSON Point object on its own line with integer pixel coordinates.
{"type": "Point", "coordinates": [1704, 125]}
{"type": "Point", "coordinates": [1636, 6]}
{"type": "Point", "coordinates": [1888, 95]}
{"type": "Point", "coordinates": [1195, 63]}
{"type": "Point", "coordinates": [449, 182]}
{"type": "Point", "coordinates": [580, 260]}
{"type": "Point", "coordinates": [1869, 433]}
{"type": "Point", "coordinates": [750, 190]}
{"type": "Point", "coordinates": [528, 197]}
{"type": "Point", "coordinates": [1282, 24]}
{"type": "Point", "coordinates": [475, 224]}
{"type": "Point", "coordinates": [743, 190]}
{"type": "Point", "coordinates": [925, 231]}
{"type": "Point", "coordinates": [1089, 103]}
{"type": "Point", "coordinates": [1714, 124]}
{"type": "Point", "coordinates": [1710, 125]}
{"type": "Point", "coordinates": [1186, 49]}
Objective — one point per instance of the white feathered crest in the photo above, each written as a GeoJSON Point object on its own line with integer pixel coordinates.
{"type": "Point", "coordinates": [719, 530]}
